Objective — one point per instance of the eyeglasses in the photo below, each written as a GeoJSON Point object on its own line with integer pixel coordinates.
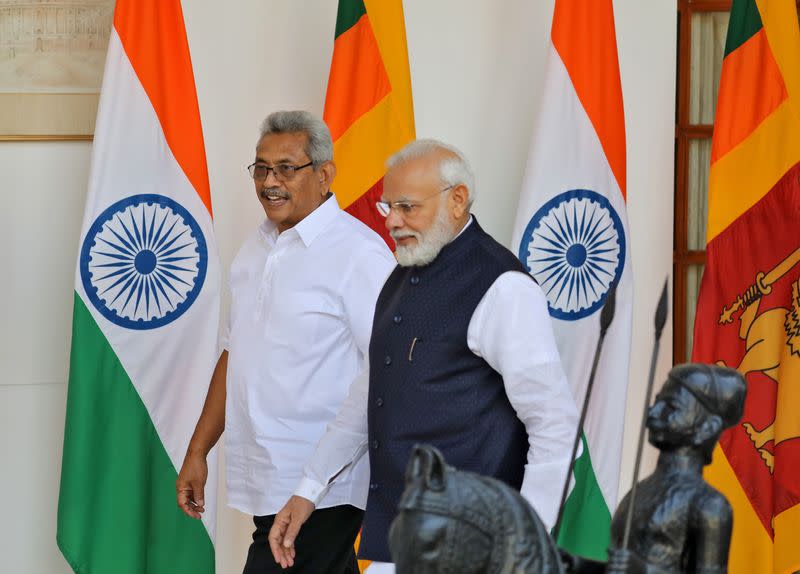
{"type": "Point", "coordinates": [282, 171]}
{"type": "Point", "coordinates": [405, 208]}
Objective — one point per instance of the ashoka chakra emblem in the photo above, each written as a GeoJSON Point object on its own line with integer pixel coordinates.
{"type": "Point", "coordinates": [143, 261]}
{"type": "Point", "coordinates": [574, 246]}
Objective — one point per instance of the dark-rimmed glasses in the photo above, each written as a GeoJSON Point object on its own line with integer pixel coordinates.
{"type": "Point", "coordinates": [282, 171]}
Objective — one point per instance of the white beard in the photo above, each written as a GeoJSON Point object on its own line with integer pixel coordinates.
{"type": "Point", "coordinates": [428, 245]}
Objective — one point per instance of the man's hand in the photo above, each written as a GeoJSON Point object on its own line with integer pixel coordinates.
{"type": "Point", "coordinates": [285, 528]}
{"type": "Point", "coordinates": [190, 485]}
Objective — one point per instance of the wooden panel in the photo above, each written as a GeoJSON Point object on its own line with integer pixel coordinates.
{"type": "Point", "coordinates": [54, 115]}
{"type": "Point", "coordinates": [685, 132]}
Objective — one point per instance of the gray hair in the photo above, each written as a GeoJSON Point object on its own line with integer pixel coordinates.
{"type": "Point", "coordinates": [453, 171]}
{"type": "Point", "coordinates": [319, 148]}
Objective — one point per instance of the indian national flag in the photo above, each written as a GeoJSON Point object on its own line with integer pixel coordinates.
{"type": "Point", "coordinates": [145, 313]}
{"type": "Point", "coordinates": [368, 106]}
{"type": "Point", "coordinates": [748, 313]}
{"type": "Point", "coordinates": [571, 233]}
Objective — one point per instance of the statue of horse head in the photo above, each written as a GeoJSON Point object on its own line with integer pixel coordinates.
{"type": "Point", "coordinates": [455, 522]}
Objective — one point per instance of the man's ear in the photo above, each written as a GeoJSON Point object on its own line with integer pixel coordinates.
{"type": "Point", "coordinates": [710, 428]}
{"type": "Point", "coordinates": [459, 198]}
{"type": "Point", "coordinates": [327, 173]}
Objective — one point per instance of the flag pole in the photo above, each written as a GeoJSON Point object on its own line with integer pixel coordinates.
{"type": "Point", "coordinates": [606, 316]}
{"type": "Point", "coordinates": [660, 320]}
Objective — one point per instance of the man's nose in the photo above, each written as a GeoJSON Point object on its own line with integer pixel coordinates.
{"type": "Point", "coordinates": [271, 180]}
{"type": "Point", "coordinates": [393, 220]}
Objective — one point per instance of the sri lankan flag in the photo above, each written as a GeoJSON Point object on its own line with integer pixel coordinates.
{"type": "Point", "coordinates": [748, 315]}
{"type": "Point", "coordinates": [368, 106]}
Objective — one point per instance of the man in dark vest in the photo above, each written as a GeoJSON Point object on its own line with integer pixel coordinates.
{"type": "Point", "coordinates": [462, 356]}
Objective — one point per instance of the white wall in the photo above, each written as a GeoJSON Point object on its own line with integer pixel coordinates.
{"type": "Point", "coordinates": [646, 41]}
{"type": "Point", "coordinates": [476, 76]}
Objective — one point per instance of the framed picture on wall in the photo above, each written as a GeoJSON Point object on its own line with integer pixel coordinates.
{"type": "Point", "coordinates": [52, 54]}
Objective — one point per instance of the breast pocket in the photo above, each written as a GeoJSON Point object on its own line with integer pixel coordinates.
{"type": "Point", "coordinates": [306, 318]}
{"type": "Point", "coordinates": [436, 364]}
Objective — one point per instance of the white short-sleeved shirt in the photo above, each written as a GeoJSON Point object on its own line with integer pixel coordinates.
{"type": "Point", "coordinates": [302, 304]}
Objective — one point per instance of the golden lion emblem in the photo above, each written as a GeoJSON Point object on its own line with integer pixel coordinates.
{"type": "Point", "coordinates": [772, 347]}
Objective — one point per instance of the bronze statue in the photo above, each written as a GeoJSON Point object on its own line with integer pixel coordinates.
{"type": "Point", "coordinates": [450, 521]}
{"type": "Point", "coordinates": [455, 522]}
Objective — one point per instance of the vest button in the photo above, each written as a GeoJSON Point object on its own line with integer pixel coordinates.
{"type": "Point", "coordinates": [397, 319]}
{"type": "Point", "coordinates": [415, 279]}
{"type": "Point", "coordinates": [387, 361]}
{"type": "Point", "coordinates": [379, 402]}
{"type": "Point", "coordinates": [375, 444]}
{"type": "Point", "coordinates": [373, 486]}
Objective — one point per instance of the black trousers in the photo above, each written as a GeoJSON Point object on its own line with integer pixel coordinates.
{"type": "Point", "coordinates": [324, 545]}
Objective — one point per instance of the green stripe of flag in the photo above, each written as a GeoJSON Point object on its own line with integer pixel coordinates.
{"type": "Point", "coordinates": [350, 12]}
{"type": "Point", "coordinates": [116, 509]}
{"type": "Point", "coordinates": [744, 23]}
{"type": "Point", "coordinates": [586, 524]}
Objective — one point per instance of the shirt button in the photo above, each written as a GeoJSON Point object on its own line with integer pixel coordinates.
{"type": "Point", "coordinates": [375, 444]}
{"type": "Point", "coordinates": [387, 361]}
{"type": "Point", "coordinates": [379, 402]}
{"type": "Point", "coordinates": [397, 319]}
{"type": "Point", "coordinates": [374, 486]}
{"type": "Point", "coordinates": [415, 279]}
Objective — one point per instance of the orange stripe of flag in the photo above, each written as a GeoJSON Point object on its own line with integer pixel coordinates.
{"type": "Point", "coordinates": [751, 88]}
{"type": "Point", "coordinates": [358, 79]}
{"type": "Point", "coordinates": [154, 38]}
{"type": "Point", "coordinates": [594, 72]}
{"type": "Point", "coordinates": [368, 106]}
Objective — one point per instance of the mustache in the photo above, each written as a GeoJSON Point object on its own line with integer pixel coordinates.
{"type": "Point", "coordinates": [273, 193]}
{"type": "Point", "coordinates": [403, 234]}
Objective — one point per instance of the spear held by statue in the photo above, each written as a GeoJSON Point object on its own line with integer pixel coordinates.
{"type": "Point", "coordinates": [660, 321]}
{"type": "Point", "coordinates": [606, 316]}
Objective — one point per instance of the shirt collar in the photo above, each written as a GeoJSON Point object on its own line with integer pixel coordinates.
{"type": "Point", "coordinates": [463, 229]}
{"type": "Point", "coordinates": [310, 227]}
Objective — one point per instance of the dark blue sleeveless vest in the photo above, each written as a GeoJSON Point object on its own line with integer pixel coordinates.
{"type": "Point", "coordinates": [426, 386]}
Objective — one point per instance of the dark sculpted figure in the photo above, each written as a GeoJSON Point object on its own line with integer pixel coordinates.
{"type": "Point", "coordinates": [680, 523]}
{"type": "Point", "coordinates": [454, 522]}
{"type": "Point", "coordinates": [457, 522]}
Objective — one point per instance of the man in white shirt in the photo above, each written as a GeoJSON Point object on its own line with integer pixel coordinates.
{"type": "Point", "coordinates": [462, 356]}
{"type": "Point", "coordinates": [303, 291]}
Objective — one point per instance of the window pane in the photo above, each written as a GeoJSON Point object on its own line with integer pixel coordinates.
{"type": "Point", "coordinates": [693, 276]}
{"type": "Point", "coordinates": [697, 202]}
{"type": "Point", "coordinates": [707, 48]}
